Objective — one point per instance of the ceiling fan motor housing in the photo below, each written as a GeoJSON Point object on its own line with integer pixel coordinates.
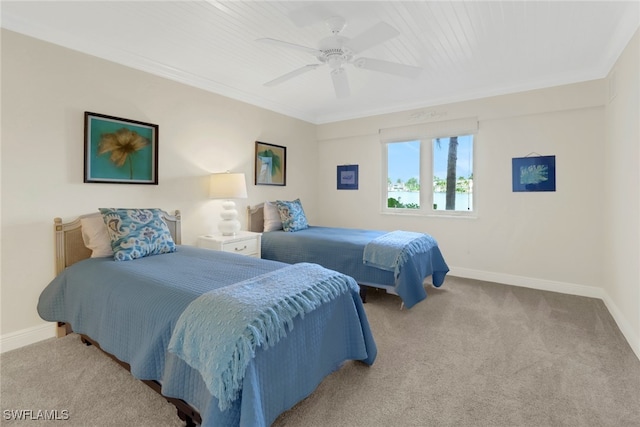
{"type": "Point", "coordinates": [334, 52]}
{"type": "Point", "coordinates": [336, 24]}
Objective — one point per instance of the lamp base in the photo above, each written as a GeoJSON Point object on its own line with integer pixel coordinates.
{"type": "Point", "coordinates": [229, 225]}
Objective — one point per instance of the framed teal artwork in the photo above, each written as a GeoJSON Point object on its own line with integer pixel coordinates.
{"type": "Point", "coordinates": [119, 151]}
{"type": "Point", "coordinates": [271, 164]}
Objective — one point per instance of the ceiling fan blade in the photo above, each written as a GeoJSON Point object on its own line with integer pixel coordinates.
{"type": "Point", "coordinates": [377, 34]}
{"type": "Point", "coordinates": [309, 15]}
{"type": "Point", "coordinates": [290, 45]}
{"type": "Point", "coordinates": [292, 74]}
{"type": "Point", "coordinates": [340, 82]}
{"type": "Point", "coordinates": [388, 67]}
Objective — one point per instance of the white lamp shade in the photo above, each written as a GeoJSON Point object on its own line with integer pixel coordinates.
{"type": "Point", "coordinates": [227, 186]}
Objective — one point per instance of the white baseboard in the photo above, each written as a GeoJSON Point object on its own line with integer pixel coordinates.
{"type": "Point", "coordinates": [27, 336]}
{"type": "Point", "coordinates": [623, 324]}
{"type": "Point", "coordinates": [561, 287]}
{"type": "Point", "coordinates": [529, 282]}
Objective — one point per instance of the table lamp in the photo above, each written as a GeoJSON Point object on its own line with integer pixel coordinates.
{"type": "Point", "coordinates": [228, 186]}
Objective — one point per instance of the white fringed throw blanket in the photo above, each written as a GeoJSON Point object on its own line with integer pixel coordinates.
{"type": "Point", "coordinates": [218, 333]}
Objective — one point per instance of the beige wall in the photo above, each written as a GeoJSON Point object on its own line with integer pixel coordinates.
{"type": "Point", "coordinates": [622, 196]}
{"type": "Point", "coordinates": [528, 238]}
{"type": "Point", "coordinates": [45, 91]}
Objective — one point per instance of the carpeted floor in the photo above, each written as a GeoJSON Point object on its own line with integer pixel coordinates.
{"type": "Point", "coordinates": [473, 354]}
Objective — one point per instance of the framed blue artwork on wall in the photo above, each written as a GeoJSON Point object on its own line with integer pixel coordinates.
{"type": "Point", "coordinates": [348, 177]}
{"type": "Point", "coordinates": [534, 173]}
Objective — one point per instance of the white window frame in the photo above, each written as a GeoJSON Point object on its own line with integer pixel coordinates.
{"type": "Point", "coordinates": [426, 133]}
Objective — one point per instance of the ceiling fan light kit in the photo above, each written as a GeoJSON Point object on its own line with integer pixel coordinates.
{"type": "Point", "coordinates": [337, 50]}
{"type": "Point", "coordinates": [340, 82]}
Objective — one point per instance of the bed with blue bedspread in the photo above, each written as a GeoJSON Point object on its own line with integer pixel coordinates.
{"type": "Point", "coordinates": [177, 319]}
{"type": "Point", "coordinates": [397, 261]}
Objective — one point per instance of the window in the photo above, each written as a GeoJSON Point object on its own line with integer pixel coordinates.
{"type": "Point", "coordinates": [430, 174]}
{"type": "Point", "coordinates": [453, 173]}
{"type": "Point", "coordinates": [403, 175]}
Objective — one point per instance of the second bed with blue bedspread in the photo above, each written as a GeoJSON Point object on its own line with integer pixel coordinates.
{"type": "Point", "coordinates": [358, 253]}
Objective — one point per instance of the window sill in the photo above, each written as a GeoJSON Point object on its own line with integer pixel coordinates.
{"type": "Point", "coordinates": [448, 215]}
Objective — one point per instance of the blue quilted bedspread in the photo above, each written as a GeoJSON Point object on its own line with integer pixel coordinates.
{"type": "Point", "coordinates": [131, 308]}
{"type": "Point", "coordinates": [342, 249]}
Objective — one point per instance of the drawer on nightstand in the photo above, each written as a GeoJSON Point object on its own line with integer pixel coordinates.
{"type": "Point", "coordinates": [242, 243]}
{"type": "Point", "coordinates": [245, 247]}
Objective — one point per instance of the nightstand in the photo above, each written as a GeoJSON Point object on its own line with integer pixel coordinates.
{"type": "Point", "coordinates": [243, 242]}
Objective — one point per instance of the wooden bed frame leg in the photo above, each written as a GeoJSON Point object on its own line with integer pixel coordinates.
{"type": "Point", "coordinates": [363, 294]}
{"type": "Point", "coordinates": [186, 418]}
{"type": "Point", "coordinates": [63, 329]}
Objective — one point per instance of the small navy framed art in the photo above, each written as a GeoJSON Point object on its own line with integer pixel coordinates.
{"type": "Point", "coordinates": [347, 177]}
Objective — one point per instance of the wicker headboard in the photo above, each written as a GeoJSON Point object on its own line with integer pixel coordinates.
{"type": "Point", "coordinates": [255, 217]}
{"type": "Point", "coordinates": [70, 247]}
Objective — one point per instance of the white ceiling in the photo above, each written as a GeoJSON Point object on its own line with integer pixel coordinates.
{"type": "Point", "coordinates": [466, 49]}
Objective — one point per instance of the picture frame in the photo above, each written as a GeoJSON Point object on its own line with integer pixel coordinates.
{"type": "Point", "coordinates": [107, 159]}
{"type": "Point", "coordinates": [537, 173]}
{"type": "Point", "coordinates": [347, 177]}
{"type": "Point", "coordinates": [270, 164]}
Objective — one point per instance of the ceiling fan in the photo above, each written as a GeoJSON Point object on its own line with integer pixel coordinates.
{"type": "Point", "coordinates": [336, 51]}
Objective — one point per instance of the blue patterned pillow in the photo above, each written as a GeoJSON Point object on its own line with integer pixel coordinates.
{"type": "Point", "coordinates": [136, 233]}
{"type": "Point", "coordinates": [292, 215]}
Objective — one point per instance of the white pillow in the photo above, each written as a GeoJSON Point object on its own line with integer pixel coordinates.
{"type": "Point", "coordinates": [272, 220]}
{"type": "Point", "coordinates": [96, 237]}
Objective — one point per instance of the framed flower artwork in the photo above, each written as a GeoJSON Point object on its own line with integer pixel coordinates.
{"type": "Point", "coordinates": [119, 151]}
